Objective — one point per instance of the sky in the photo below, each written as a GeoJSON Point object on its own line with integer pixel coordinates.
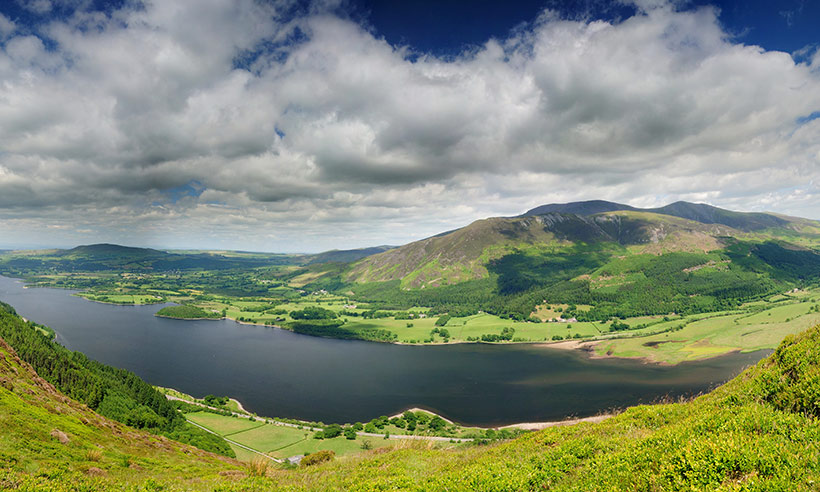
{"type": "Point", "coordinates": [295, 126]}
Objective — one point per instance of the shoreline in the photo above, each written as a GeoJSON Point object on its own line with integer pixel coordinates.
{"type": "Point", "coordinates": [527, 426]}
{"type": "Point", "coordinates": [583, 345]}
{"type": "Point", "coordinates": [520, 425]}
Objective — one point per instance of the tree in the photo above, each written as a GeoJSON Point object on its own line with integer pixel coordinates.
{"type": "Point", "coordinates": [437, 423]}
{"type": "Point", "coordinates": [333, 430]}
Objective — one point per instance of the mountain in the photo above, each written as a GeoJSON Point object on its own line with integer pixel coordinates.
{"type": "Point", "coordinates": [698, 212]}
{"type": "Point", "coordinates": [759, 431]}
{"type": "Point", "coordinates": [681, 258]}
{"type": "Point", "coordinates": [468, 253]}
{"type": "Point", "coordinates": [589, 207]}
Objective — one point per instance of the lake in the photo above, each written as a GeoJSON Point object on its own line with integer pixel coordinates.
{"type": "Point", "coordinates": [274, 372]}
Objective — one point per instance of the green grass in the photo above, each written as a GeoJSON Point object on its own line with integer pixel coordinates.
{"type": "Point", "coordinates": [278, 440]}
{"type": "Point", "coordinates": [221, 424]}
{"type": "Point", "coordinates": [715, 335]}
{"type": "Point", "coordinates": [114, 298]}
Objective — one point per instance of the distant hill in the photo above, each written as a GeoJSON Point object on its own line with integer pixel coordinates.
{"type": "Point", "coordinates": [110, 250]}
{"type": "Point", "coordinates": [101, 257]}
{"type": "Point", "coordinates": [589, 207]}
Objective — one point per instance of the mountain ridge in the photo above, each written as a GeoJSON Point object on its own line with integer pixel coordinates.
{"type": "Point", "coordinates": [467, 253]}
{"type": "Point", "coordinates": [699, 212]}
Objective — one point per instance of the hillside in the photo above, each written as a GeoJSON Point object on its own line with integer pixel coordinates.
{"type": "Point", "coordinates": [698, 212]}
{"type": "Point", "coordinates": [50, 442]}
{"type": "Point", "coordinates": [112, 257]}
{"type": "Point", "coordinates": [468, 253]}
{"type": "Point", "coordinates": [345, 255]}
{"type": "Point", "coordinates": [758, 432]}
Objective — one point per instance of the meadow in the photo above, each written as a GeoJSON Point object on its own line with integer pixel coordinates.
{"type": "Point", "coordinates": [279, 441]}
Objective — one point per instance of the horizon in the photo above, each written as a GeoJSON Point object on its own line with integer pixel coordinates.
{"type": "Point", "coordinates": [216, 250]}
{"type": "Point", "coordinates": [306, 126]}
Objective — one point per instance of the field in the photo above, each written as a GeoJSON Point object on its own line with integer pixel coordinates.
{"type": "Point", "coordinates": [752, 326]}
{"type": "Point", "coordinates": [116, 298]}
{"type": "Point", "coordinates": [720, 333]}
{"type": "Point", "coordinates": [279, 441]}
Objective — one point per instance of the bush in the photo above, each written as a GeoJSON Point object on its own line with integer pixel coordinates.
{"type": "Point", "coordinates": [318, 457]}
{"type": "Point", "coordinates": [258, 467]}
{"type": "Point", "coordinates": [333, 430]}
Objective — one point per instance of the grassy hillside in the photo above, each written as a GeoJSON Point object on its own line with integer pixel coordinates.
{"type": "Point", "coordinates": [115, 393]}
{"type": "Point", "coordinates": [467, 253]}
{"type": "Point", "coordinates": [454, 257]}
{"type": "Point", "coordinates": [760, 431]}
{"type": "Point", "coordinates": [49, 442]}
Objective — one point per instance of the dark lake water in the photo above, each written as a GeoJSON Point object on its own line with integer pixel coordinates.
{"type": "Point", "coordinates": [278, 373]}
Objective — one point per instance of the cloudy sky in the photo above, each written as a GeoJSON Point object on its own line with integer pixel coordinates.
{"type": "Point", "coordinates": [292, 126]}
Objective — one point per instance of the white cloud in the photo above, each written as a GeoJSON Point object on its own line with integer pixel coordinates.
{"type": "Point", "coordinates": [312, 133]}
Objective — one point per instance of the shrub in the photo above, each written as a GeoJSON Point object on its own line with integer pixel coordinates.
{"type": "Point", "coordinates": [318, 457]}
{"type": "Point", "coordinates": [258, 467]}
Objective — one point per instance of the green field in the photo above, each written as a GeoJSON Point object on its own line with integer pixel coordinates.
{"type": "Point", "coordinates": [115, 298]}
{"type": "Point", "coordinates": [279, 441]}
{"type": "Point", "coordinates": [717, 335]}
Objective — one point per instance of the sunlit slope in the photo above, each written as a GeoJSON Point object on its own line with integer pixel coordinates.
{"type": "Point", "coordinates": [50, 442]}
{"type": "Point", "coordinates": [455, 256]}
{"type": "Point", "coordinates": [469, 253]}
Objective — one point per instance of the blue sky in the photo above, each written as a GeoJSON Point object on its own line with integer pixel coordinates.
{"type": "Point", "coordinates": [430, 26]}
{"type": "Point", "coordinates": [305, 126]}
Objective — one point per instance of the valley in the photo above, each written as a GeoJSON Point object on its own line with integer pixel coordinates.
{"type": "Point", "coordinates": [573, 310]}
{"type": "Point", "coordinates": [681, 282]}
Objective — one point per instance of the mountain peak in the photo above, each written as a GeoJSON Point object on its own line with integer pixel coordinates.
{"type": "Point", "coordinates": [698, 212]}
{"type": "Point", "coordinates": [587, 207]}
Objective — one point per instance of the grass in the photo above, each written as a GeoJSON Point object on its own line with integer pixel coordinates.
{"type": "Point", "coordinates": [114, 298]}
{"type": "Point", "coordinates": [221, 424]}
{"type": "Point", "coordinates": [718, 334]}
{"type": "Point", "coordinates": [278, 440]}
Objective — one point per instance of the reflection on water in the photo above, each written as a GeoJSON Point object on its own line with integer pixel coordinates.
{"type": "Point", "coordinates": [278, 373]}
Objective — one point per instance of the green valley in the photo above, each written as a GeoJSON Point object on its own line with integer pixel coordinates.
{"type": "Point", "coordinates": [758, 432]}
{"type": "Point", "coordinates": [592, 271]}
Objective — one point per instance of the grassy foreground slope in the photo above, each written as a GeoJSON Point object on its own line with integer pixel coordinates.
{"type": "Point", "coordinates": [50, 442]}
{"type": "Point", "coordinates": [758, 432]}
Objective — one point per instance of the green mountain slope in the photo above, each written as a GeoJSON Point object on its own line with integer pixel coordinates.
{"type": "Point", "coordinates": [468, 253]}
{"type": "Point", "coordinates": [345, 255]}
{"type": "Point", "coordinates": [760, 431]}
{"type": "Point", "coordinates": [50, 442]}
